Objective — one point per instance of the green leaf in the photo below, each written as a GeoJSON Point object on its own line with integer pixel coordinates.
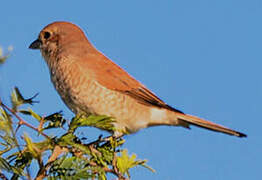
{"type": "Point", "coordinates": [70, 168]}
{"type": "Point", "coordinates": [4, 165]}
{"type": "Point", "coordinates": [101, 122]}
{"type": "Point", "coordinates": [5, 122]}
{"type": "Point", "coordinates": [125, 162]}
{"type": "Point", "coordinates": [108, 149]}
{"type": "Point", "coordinates": [55, 120]}
{"type": "Point", "coordinates": [70, 140]}
{"type": "Point", "coordinates": [17, 99]}
{"type": "Point", "coordinates": [31, 147]}
{"type": "Point", "coordinates": [44, 145]}
{"type": "Point", "coordinates": [30, 112]}
{"type": "Point", "coordinates": [6, 129]}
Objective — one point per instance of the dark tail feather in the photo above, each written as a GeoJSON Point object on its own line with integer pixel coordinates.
{"type": "Point", "coordinates": [193, 120]}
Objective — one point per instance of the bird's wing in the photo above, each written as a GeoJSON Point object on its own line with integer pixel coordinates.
{"type": "Point", "coordinates": [113, 77]}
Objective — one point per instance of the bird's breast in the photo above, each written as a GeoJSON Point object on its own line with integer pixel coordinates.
{"type": "Point", "coordinates": [69, 84]}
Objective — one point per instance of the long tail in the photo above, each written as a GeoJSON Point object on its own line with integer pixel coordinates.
{"type": "Point", "coordinates": [186, 119]}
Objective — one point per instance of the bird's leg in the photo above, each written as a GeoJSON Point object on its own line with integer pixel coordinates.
{"type": "Point", "coordinates": [106, 139]}
{"type": "Point", "coordinates": [115, 136]}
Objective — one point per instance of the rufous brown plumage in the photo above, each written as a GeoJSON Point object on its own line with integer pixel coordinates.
{"type": "Point", "coordinates": [90, 83]}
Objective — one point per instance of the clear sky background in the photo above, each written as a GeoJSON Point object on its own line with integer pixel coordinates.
{"type": "Point", "coordinates": [201, 56]}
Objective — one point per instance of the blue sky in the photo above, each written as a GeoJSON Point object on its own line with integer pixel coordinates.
{"type": "Point", "coordinates": [200, 56]}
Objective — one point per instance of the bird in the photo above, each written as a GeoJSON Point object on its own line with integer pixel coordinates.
{"type": "Point", "coordinates": [90, 83]}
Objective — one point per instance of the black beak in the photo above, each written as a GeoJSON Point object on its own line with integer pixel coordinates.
{"type": "Point", "coordinates": [36, 44]}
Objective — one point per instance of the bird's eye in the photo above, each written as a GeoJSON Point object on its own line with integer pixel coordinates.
{"type": "Point", "coordinates": [47, 35]}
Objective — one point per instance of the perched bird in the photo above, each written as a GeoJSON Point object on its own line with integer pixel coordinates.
{"type": "Point", "coordinates": [90, 83]}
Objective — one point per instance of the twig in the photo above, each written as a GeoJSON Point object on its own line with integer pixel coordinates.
{"type": "Point", "coordinates": [23, 122]}
{"type": "Point", "coordinates": [40, 127]}
{"type": "Point", "coordinates": [56, 152]}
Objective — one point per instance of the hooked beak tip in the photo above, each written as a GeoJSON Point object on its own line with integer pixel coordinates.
{"type": "Point", "coordinates": [36, 44]}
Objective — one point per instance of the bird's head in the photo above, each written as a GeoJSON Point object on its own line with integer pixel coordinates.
{"type": "Point", "coordinates": [59, 37]}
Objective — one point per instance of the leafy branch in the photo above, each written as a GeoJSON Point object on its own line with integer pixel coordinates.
{"type": "Point", "coordinates": [62, 156]}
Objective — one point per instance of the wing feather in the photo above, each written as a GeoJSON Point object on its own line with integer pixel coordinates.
{"type": "Point", "coordinates": [111, 76]}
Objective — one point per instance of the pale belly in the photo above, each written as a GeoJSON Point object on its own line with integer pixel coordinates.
{"type": "Point", "coordinates": [83, 95]}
